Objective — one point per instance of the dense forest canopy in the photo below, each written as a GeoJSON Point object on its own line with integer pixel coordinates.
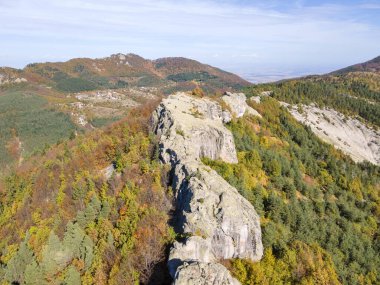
{"type": "Point", "coordinates": [319, 210]}
{"type": "Point", "coordinates": [63, 222]}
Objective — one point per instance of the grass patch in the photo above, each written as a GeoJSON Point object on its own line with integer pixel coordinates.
{"type": "Point", "coordinates": [101, 122]}
{"type": "Point", "coordinates": [75, 85]}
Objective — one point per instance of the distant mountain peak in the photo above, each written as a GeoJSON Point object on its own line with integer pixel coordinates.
{"type": "Point", "coordinates": [372, 65]}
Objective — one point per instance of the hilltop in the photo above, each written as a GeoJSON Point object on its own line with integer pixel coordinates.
{"type": "Point", "coordinates": [123, 70]}
{"type": "Point", "coordinates": [372, 65]}
{"type": "Point", "coordinates": [45, 103]}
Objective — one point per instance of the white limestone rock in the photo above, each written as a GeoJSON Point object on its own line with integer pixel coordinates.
{"type": "Point", "coordinates": [108, 171]}
{"type": "Point", "coordinates": [9, 78]}
{"type": "Point", "coordinates": [347, 134]}
{"type": "Point", "coordinates": [266, 93]}
{"type": "Point", "coordinates": [193, 249]}
{"type": "Point", "coordinates": [199, 273]}
{"type": "Point", "coordinates": [238, 104]}
{"type": "Point", "coordinates": [256, 99]}
{"type": "Point", "coordinates": [220, 222]}
{"type": "Point", "coordinates": [193, 128]}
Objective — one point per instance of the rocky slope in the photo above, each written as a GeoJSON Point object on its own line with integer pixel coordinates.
{"type": "Point", "coordinates": [349, 135]}
{"type": "Point", "coordinates": [10, 76]}
{"type": "Point", "coordinates": [216, 222]}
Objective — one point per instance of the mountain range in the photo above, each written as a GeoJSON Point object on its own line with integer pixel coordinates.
{"type": "Point", "coordinates": [119, 70]}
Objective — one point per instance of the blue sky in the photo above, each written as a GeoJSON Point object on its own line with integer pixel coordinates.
{"type": "Point", "coordinates": [252, 38]}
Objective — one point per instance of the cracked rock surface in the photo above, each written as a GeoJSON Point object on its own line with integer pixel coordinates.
{"type": "Point", "coordinates": [217, 221]}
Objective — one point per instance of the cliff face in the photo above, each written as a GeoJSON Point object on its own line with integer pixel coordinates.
{"type": "Point", "coordinates": [217, 221]}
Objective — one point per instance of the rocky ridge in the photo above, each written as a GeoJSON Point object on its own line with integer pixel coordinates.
{"type": "Point", "coordinates": [214, 219]}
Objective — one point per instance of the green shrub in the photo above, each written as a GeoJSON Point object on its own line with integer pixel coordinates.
{"type": "Point", "coordinates": [190, 76]}
{"type": "Point", "coordinates": [75, 85]}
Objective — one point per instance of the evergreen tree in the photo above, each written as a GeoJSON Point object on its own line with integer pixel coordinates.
{"type": "Point", "coordinates": [15, 269]}
{"type": "Point", "coordinates": [72, 277]}
{"type": "Point", "coordinates": [54, 255]}
{"type": "Point", "coordinates": [34, 274]}
{"type": "Point", "coordinates": [89, 214]}
{"type": "Point", "coordinates": [106, 210]}
{"type": "Point", "coordinates": [96, 204]}
{"type": "Point", "coordinates": [73, 238]}
{"type": "Point", "coordinates": [86, 251]}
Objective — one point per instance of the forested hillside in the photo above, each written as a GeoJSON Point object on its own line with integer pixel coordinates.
{"type": "Point", "coordinates": [127, 70]}
{"type": "Point", "coordinates": [319, 211]}
{"type": "Point", "coordinates": [355, 94]}
{"type": "Point", "coordinates": [65, 219]}
{"type": "Point", "coordinates": [95, 209]}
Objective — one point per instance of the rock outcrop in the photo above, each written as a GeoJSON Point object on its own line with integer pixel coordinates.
{"type": "Point", "coordinates": [217, 221]}
{"type": "Point", "coordinates": [238, 104]}
{"type": "Point", "coordinates": [204, 274]}
{"type": "Point", "coordinates": [347, 134]}
{"type": "Point", "coordinates": [10, 76]}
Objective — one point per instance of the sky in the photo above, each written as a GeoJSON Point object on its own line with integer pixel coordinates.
{"type": "Point", "coordinates": [259, 40]}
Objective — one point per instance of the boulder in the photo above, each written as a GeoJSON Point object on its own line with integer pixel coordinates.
{"type": "Point", "coordinates": [199, 273]}
{"type": "Point", "coordinates": [238, 104]}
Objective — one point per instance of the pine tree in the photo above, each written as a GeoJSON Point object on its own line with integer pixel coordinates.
{"type": "Point", "coordinates": [73, 238]}
{"type": "Point", "coordinates": [34, 274]}
{"type": "Point", "coordinates": [105, 211]}
{"type": "Point", "coordinates": [89, 214]}
{"type": "Point", "coordinates": [86, 251]}
{"type": "Point", "coordinates": [72, 276]}
{"type": "Point", "coordinates": [80, 218]}
{"type": "Point", "coordinates": [54, 255]}
{"type": "Point", "coordinates": [14, 272]}
{"type": "Point", "coordinates": [95, 203]}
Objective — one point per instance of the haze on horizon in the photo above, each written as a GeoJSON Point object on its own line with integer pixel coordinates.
{"type": "Point", "coordinates": [258, 40]}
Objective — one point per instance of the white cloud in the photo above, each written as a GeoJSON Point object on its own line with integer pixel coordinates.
{"type": "Point", "coordinates": [239, 37]}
